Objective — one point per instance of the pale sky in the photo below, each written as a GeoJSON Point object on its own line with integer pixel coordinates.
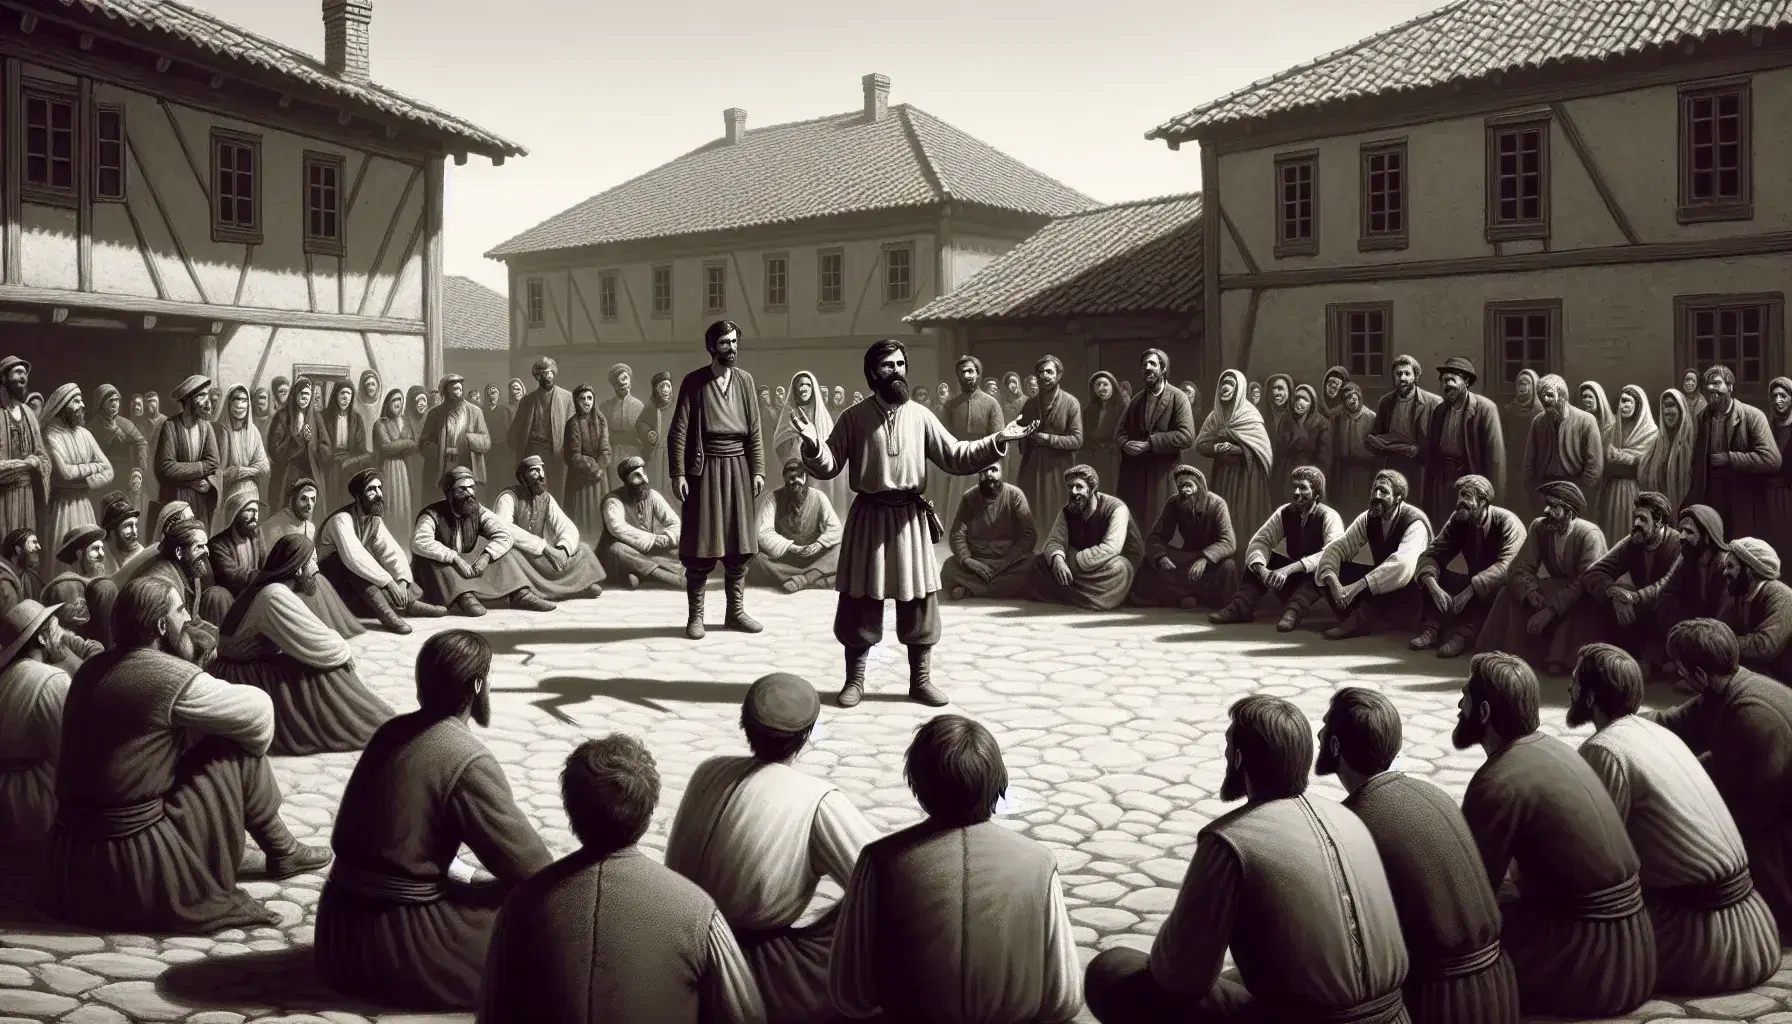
{"type": "Point", "coordinates": [599, 91]}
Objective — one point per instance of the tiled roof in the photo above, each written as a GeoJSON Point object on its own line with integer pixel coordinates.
{"type": "Point", "coordinates": [474, 318]}
{"type": "Point", "coordinates": [204, 30]}
{"type": "Point", "coordinates": [1140, 257]}
{"type": "Point", "coordinates": [803, 170]}
{"type": "Point", "coordinates": [1473, 39]}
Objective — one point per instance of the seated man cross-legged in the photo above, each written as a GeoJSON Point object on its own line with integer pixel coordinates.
{"type": "Point", "coordinates": [1198, 568]}
{"type": "Point", "coordinates": [548, 552]}
{"type": "Point", "coordinates": [640, 541]}
{"type": "Point", "coordinates": [993, 539]}
{"type": "Point", "coordinates": [460, 553]}
{"type": "Point", "coordinates": [1303, 529]}
{"type": "Point", "coordinates": [1093, 549]}
{"type": "Point", "coordinates": [1487, 538]}
{"type": "Point", "coordinates": [1396, 534]}
{"type": "Point", "coordinates": [362, 559]}
{"type": "Point", "coordinates": [799, 536]}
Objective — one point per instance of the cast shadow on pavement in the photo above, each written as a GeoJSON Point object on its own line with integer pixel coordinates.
{"type": "Point", "coordinates": [558, 693]}
{"type": "Point", "coordinates": [512, 641]}
{"type": "Point", "coordinates": [284, 979]}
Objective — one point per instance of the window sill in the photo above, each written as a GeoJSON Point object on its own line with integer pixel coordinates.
{"type": "Point", "coordinates": [1519, 232]}
{"type": "Point", "coordinates": [536, 325]}
{"type": "Point", "coordinates": [1708, 213]}
{"type": "Point", "coordinates": [830, 307]}
{"type": "Point", "coordinates": [667, 315]}
{"type": "Point", "coordinates": [238, 236]}
{"type": "Point", "coordinates": [110, 199]}
{"type": "Point", "coordinates": [777, 307]}
{"type": "Point", "coordinates": [1381, 243]}
{"type": "Point", "coordinates": [1290, 250]}
{"type": "Point", "coordinates": [40, 196]}
{"type": "Point", "coordinates": [324, 247]}
{"type": "Point", "coordinates": [612, 318]}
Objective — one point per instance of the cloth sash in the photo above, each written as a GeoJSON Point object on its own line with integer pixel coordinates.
{"type": "Point", "coordinates": [69, 493]}
{"type": "Point", "coordinates": [910, 499]}
{"type": "Point", "coordinates": [1384, 1009]}
{"type": "Point", "coordinates": [385, 888]}
{"type": "Point", "coordinates": [103, 823]}
{"type": "Point", "coordinates": [1613, 903]}
{"type": "Point", "coordinates": [724, 446]}
{"type": "Point", "coordinates": [1450, 968]}
{"type": "Point", "coordinates": [1707, 897]}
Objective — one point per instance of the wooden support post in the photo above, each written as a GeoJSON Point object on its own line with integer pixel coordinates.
{"type": "Point", "coordinates": [1212, 338]}
{"type": "Point", "coordinates": [433, 186]}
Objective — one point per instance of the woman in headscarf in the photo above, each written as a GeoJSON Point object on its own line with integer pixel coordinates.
{"type": "Point", "coordinates": [1634, 436]}
{"type": "Point", "coordinates": [1348, 490]}
{"type": "Point", "coordinates": [395, 448]}
{"type": "Point", "coordinates": [1234, 437]}
{"type": "Point", "coordinates": [1692, 388]}
{"type": "Point", "coordinates": [1778, 496]}
{"type": "Point", "coordinates": [1667, 468]}
{"type": "Point", "coordinates": [1331, 391]}
{"type": "Point", "coordinates": [1193, 391]}
{"type": "Point", "coordinates": [1101, 418]}
{"type": "Point", "coordinates": [296, 441]}
{"type": "Point", "coordinates": [1279, 392]}
{"type": "Point", "coordinates": [1515, 427]}
{"type": "Point", "coordinates": [243, 464]}
{"type": "Point", "coordinates": [1595, 403]}
{"type": "Point", "coordinates": [1306, 434]}
{"type": "Point", "coordinates": [805, 394]}
{"type": "Point", "coordinates": [416, 413]}
{"type": "Point", "coordinates": [585, 445]}
{"type": "Point", "coordinates": [1257, 395]}
{"type": "Point", "coordinates": [344, 441]}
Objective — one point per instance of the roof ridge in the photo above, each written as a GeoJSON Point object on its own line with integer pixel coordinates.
{"type": "Point", "coordinates": [930, 168]}
{"type": "Point", "coordinates": [1164, 200]}
{"type": "Point", "coordinates": [978, 140]}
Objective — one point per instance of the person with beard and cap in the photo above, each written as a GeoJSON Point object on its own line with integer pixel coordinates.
{"type": "Point", "coordinates": [1234, 436]}
{"type": "Point", "coordinates": [1632, 614]}
{"type": "Point", "coordinates": [1402, 418]}
{"type": "Point", "coordinates": [24, 461]}
{"type": "Point", "coordinates": [398, 922]}
{"type": "Point", "coordinates": [1093, 552]}
{"type": "Point", "coordinates": [1303, 529]}
{"type": "Point", "coordinates": [1292, 885]}
{"type": "Point", "coordinates": [1631, 436]}
{"type": "Point", "coordinates": [21, 557]}
{"type": "Point", "coordinates": [78, 468]}
{"type": "Point", "coordinates": [551, 558]}
{"type": "Point", "coordinates": [1057, 419]}
{"type": "Point", "coordinates": [622, 411]}
{"type": "Point", "coordinates": [244, 466]}
{"type": "Point", "coordinates": [358, 555]}
{"type": "Point", "coordinates": [1757, 606]}
{"type": "Point", "coordinates": [539, 426]}
{"type": "Point", "coordinates": [81, 588]}
{"type": "Point", "coordinates": [183, 558]}
{"type": "Point", "coordinates": [787, 442]}
{"type": "Point", "coordinates": [459, 549]}
{"type": "Point", "coordinates": [1449, 915]}
{"type": "Point", "coordinates": [1487, 538]}
{"type": "Point", "coordinates": [186, 453]}
{"type": "Point", "coordinates": [1462, 437]}
{"type": "Point", "coordinates": [1574, 920]}
{"type": "Point", "coordinates": [273, 641]}
{"type": "Point", "coordinates": [1713, 932]}
{"type": "Point", "coordinates": [1331, 390]}
{"type": "Point", "coordinates": [1695, 586]}
{"type": "Point", "coordinates": [1156, 428]}
{"type": "Point", "coordinates": [885, 446]}
{"type": "Point", "coordinates": [1102, 415]}
{"type": "Point", "coordinates": [1734, 457]}
{"type": "Point", "coordinates": [121, 520]}
{"type": "Point", "coordinates": [640, 539]}
{"type": "Point", "coordinates": [1353, 465]}
{"type": "Point", "coordinates": [170, 773]}
{"type": "Point", "coordinates": [146, 554]}
{"type": "Point", "coordinates": [1532, 616]}
{"type": "Point", "coordinates": [1396, 534]}
{"type": "Point", "coordinates": [799, 536]}
{"type": "Point", "coordinates": [758, 833]}
{"type": "Point", "coordinates": [455, 435]}
{"type": "Point", "coordinates": [1188, 560]}
{"type": "Point", "coordinates": [237, 551]}
{"type": "Point", "coordinates": [716, 448]}
{"type": "Point", "coordinates": [650, 432]}
{"type": "Point", "coordinates": [396, 458]}
{"type": "Point", "coordinates": [295, 441]}
{"type": "Point", "coordinates": [298, 516]}
{"type": "Point", "coordinates": [32, 691]}
{"type": "Point", "coordinates": [1564, 445]}
{"type": "Point", "coordinates": [120, 440]}
{"type": "Point", "coordinates": [993, 539]}
{"type": "Point", "coordinates": [588, 453]}
{"type": "Point", "coordinates": [499, 418]}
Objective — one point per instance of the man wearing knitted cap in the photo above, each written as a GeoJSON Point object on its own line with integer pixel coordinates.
{"type": "Point", "coordinates": [359, 556]}
{"type": "Point", "coordinates": [186, 451]}
{"type": "Point", "coordinates": [548, 552]}
{"type": "Point", "coordinates": [1758, 607]}
{"type": "Point", "coordinates": [24, 462]}
{"type": "Point", "coordinates": [1188, 553]}
{"type": "Point", "coordinates": [1531, 616]}
{"type": "Point", "coordinates": [622, 412]}
{"type": "Point", "coordinates": [640, 539]}
{"type": "Point", "coordinates": [650, 432]}
{"type": "Point", "coordinates": [460, 553]}
{"type": "Point", "coordinates": [758, 833]}
{"type": "Point", "coordinates": [799, 536]}
{"type": "Point", "coordinates": [539, 426]}
{"type": "Point", "coordinates": [78, 468]}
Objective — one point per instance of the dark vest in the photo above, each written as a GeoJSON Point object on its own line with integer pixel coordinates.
{"type": "Point", "coordinates": [531, 512]}
{"type": "Point", "coordinates": [1382, 542]}
{"type": "Point", "coordinates": [1088, 531]}
{"type": "Point", "coordinates": [1303, 539]}
{"type": "Point", "coordinates": [462, 539]}
{"type": "Point", "coordinates": [119, 712]}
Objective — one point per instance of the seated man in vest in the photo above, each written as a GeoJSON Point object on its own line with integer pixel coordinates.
{"type": "Point", "coordinates": [83, 586]}
{"type": "Point", "coordinates": [237, 551]}
{"type": "Point", "coordinates": [1574, 922]}
{"type": "Point", "coordinates": [1532, 617]}
{"type": "Point", "coordinates": [1713, 932]}
{"type": "Point", "coordinates": [799, 536]}
{"type": "Point", "coordinates": [1625, 589]}
{"type": "Point", "coordinates": [32, 691]}
{"type": "Point", "coordinates": [757, 834]}
{"type": "Point", "coordinates": [660, 950]}
{"type": "Point", "coordinates": [165, 774]}
{"type": "Point", "coordinates": [1395, 534]}
{"type": "Point", "coordinates": [300, 516]}
{"type": "Point", "coordinates": [548, 552]}
{"type": "Point", "coordinates": [1265, 883]}
{"type": "Point", "coordinates": [993, 538]}
{"type": "Point", "coordinates": [359, 556]}
{"type": "Point", "coordinates": [399, 923]}
{"type": "Point", "coordinates": [1093, 550]}
{"type": "Point", "coordinates": [1449, 915]}
{"type": "Point", "coordinates": [976, 908]}
{"type": "Point", "coordinates": [1303, 529]}
{"type": "Point", "coordinates": [1188, 554]}
{"type": "Point", "coordinates": [640, 541]}
{"type": "Point", "coordinates": [1758, 607]}
{"type": "Point", "coordinates": [459, 553]}
{"type": "Point", "coordinates": [1487, 539]}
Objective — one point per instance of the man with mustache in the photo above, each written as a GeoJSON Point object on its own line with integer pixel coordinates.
{"type": "Point", "coordinates": [1265, 882]}
{"type": "Point", "coordinates": [1303, 529]}
{"type": "Point", "coordinates": [799, 536]}
{"type": "Point", "coordinates": [1093, 551]}
{"type": "Point", "coordinates": [1532, 615]}
{"type": "Point", "coordinates": [1574, 922]}
{"type": "Point", "coordinates": [499, 418]}
{"type": "Point", "coordinates": [1488, 539]}
{"type": "Point", "coordinates": [459, 553]}
{"type": "Point", "coordinates": [1733, 456]}
{"type": "Point", "coordinates": [152, 414]}
{"type": "Point", "coordinates": [1565, 443]}
{"type": "Point", "coordinates": [1396, 535]}
{"type": "Point", "coordinates": [885, 446]}
{"type": "Point", "coordinates": [24, 461]}
{"type": "Point", "coordinates": [77, 465]}
{"type": "Point", "coordinates": [1463, 437]}
{"type": "Point", "coordinates": [398, 922]}
{"type": "Point", "coordinates": [1696, 584]}
{"type": "Point", "coordinates": [1632, 614]}
{"type": "Point", "coordinates": [171, 772]}
{"type": "Point", "coordinates": [1156, 428]}
{"type": "Point", "coordinates": [21, 556]}
{"type": "Point", "coordinates": [455, 435]}
{"type": "Point", "coordinates": [640, 541]}
{"type": "Point", "coordinates": [716, 448]}
{"type": "Point", "coordinates": [78, 589]}
{"type": "Point", "coordinates": [622, 412]}
{"type": "Point", "coordinates": [121, 520]}
{"type": "Point", "coordinates": [970, 413]}
{"type": "Point", "coordinates": [237, 551]}
{"type": "Point", "coordinates": [549, 554]}
{"type": "Point", "coordinates": [1401, 418]}
{"type": "Point", "coordinates": [1188, 553]}
{"type": "Point", "coordinates": [359, 556]}
{"type": "Point", "coordinates": [993, 538]}
{"type": "Point", "coordinates": [1057, 437]}
{"type": "Point", "coordinates": [1758, 607]}
{"type": "Point", "coordinates": [186, 452]}
{"type": "Point", "coordinates": [1713, 932]}
{"type": "Point", "coordinates": [183, 558]}
{"type": "Point", "coordinates": [1449, 915]}
{"type": "Point", "coordinates": [650, 433]}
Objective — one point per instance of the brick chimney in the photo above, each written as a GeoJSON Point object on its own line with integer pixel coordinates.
{"type": "Point", "coordinates": [345, 38]}
{"type": "Point", "coordinates": [734, 123]}
{"type": "Point", "coordinates": [877, 96]}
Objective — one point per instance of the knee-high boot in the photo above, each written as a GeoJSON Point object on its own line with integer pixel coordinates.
{"type": "Point", "coordinates": [693, 591]}
{"type": "Point", "coordinates": [854, 690]}
{"type": "Point", "coordinates": [735, 579]}
{"type": "Point", "coordinates": [920, 678]}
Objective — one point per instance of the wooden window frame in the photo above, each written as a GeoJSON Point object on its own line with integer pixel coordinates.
{"type": "Point", "coordinates": [1285, 246]}
{"type": "Point", "coordinates": [1494, 384]}
{"type": "Point", "coordinates": [609, 296]}
{"type": "Point", "coordinates": [1693, 210]}
{"type": "Point", "coordinates": [660, 312]}
{"type": "Point", "coordinates": [779, 301]}
{"type": "Point", "coordinates": [1499, 230]}
{"type": "Point", "coordinates": [889, 275]}
{"type": "Point", "coordinates": [100, 195]}
{"type": "Point", "coordinates": [821, 285]}
{"type": "Point", "coordinates": [320, 244]}
{"type": "Point", "coordinates": [1773, 334]}
{"type": "Point", "coordinates": [715, 286]}
{"type": "Point", "coordinates": [535, 302]}
{"type": "Point", "coordinates": [51, 195]}
{"type": "Point", "coordinates": [1335, 348]}
{"type": "Point", "coordinates": [1383, 241]}
{"type": "Point", "coordinates": [232, 232]}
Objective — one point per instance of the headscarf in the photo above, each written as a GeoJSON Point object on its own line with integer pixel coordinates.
{"type": "Point", "coordinates": [1327, 405]}
{"type": "Point", "coordinates": [1279, 419]}
{"type": "Point", "coordinates": [1113, 382]}
{"type": "Point", "coordinates": [1313, 407]}
{"type": "Point", "coordinates": [233, 506]}
{"type": "Point", "coordinates": [58, 400]}
{"type": "Point", "coordinates": [1667, 467]}
{"type": "Point", "coordinates": [1608, 419]}
{"type": "Point", "coordinates": [1566, 492]}
{"type": "Point", "coordinates": [1528, 406]}
{"type": "Point", "coordinates": [1696, 400]}
{"type": "Point", "coordinates": [386, 404]}
{"type": "Point", "coordinates": [1776, 384]}
{"type": "Point", "coordinates": [99, 401]}
{"type": "Point", "coordinates": [1757, 556]}
{"type": "Point", "coordinates": [786, 434]}
{"type": "Point", "coordinates": [410, 408]}
{"type": "Point", "coordinates": [288, 555]}
{"type": "Point", "coordinates": [1239, 422]}
{"type": "Point", "coordinates": [1641, 430]}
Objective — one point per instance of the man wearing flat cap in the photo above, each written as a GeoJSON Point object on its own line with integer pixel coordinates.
{"type": "Point", "coordinates": [1532, 616]}
{"type": "Point", "coordinates": [78, 468]}
{"type": "Point", "coordinates": [758, 834]}
{"type": "Point", "coordinates": [32, 691]}
{"type": "Point", "coordinates": [1463, 437]}
{"type": "Point", "coordinates": [540, 423]}
{"type": "Point", "coordinates": [549, 553]}
{"type": "Point", "coordinates": [622, 412]}
{"type": "Point", "coordinates": [454, 433]}
{"type": "Point", "coordinates": [650, 432]}
{"type": "Point", "coordinates": [186, 455]}
{"type": "Point", "coordinates": [460, 553]}
{"type": "Point", "coordinates": [799, 536]}
{"type": "Point", "coordinates": [77, 590]}
{"type": "Point", "coordinates": [24, 462]}
{"type": "Point", "coordinates": [1757, 606]}
{"type": "Point", "coordinates": [364, 562]}
{"type": "Point", "coordinates": [640, 539]}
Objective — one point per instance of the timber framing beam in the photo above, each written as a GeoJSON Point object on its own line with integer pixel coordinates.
{"type": "Point", "coordinates": [142, 306]}
{"type": "Point", "coordinates": [1584, 153]}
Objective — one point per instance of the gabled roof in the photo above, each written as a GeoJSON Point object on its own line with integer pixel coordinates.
{"type": "Point", "coordinates": [1474, 39]}
{"type": "Point", "coordinates": [801, 171]}
{"type": "Point", "coordinates": [474, 318]}
{"type": "Point", "coordinates": [209, 32]}
{"type": "Point", "coordinates": [1139, 257]}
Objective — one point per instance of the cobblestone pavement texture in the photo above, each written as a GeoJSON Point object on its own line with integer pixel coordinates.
{"type": "Point", "coordinates": [1112, 726]}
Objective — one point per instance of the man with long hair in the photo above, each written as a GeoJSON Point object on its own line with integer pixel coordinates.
{"type": "Point", "coordinates": [359, 556]}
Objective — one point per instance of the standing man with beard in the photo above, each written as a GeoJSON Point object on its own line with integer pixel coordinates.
{"type": "Point", "coordinates": [187, 455]}
{"type": "Point", "coordinates": [650, 432]}
{"type": "Point", "coordinates": [1401, 420]}
{"type": "Point", "coordinates": [1396, 534]}
{"type": "Point", "coordinates": [1463, 437]}
{"type": "Point", "coordinates": [1758, 607]}
{"type": "Point", "coordinates": [1303, 529]}
{"type": "Point", "coordinates": [455, 436]}
{"type": "Point", "coordinates": [1057, 419]}
{"type": "Point", "coordinates": [1199, 569]}
{"type": "Point", "coordinates": [1531, 616]}
{"type": "Point", "coordinates": [1632, 614]}
{"type": "Point", "coordinates": [1565, 444]}
{"type": "Point", "coordinates": [1156, 428]}
{"type": "Point", "coordinates": [622, 412]}
{"type": "Point", "coordinates": [885, 445]}
{"type": "Point", "coordinates": [993, 539]}
{"type": "Point", "coordinates": [359, 556]}
{"type": "Point", "coordinates": [1734, 455]}
{"type": "Point", "coordinates": [548, 551]}
{"type": "Point", "coordinates": [970, 413]}
{"type": "Point", "coordinates": [459, 553]}
{"type": "Point", "coordinates": [24, 462]}
{"type": "Point", "coordinates": [1574, 922]}
{"type": "Point", "coordinates": [1487, 539]}
{"type": "Point", "coordinates": [716, 447]}
{"type": "Point", "coordinates": [77, 465]}
{"type": "Point", "coordinates": [640, 539]}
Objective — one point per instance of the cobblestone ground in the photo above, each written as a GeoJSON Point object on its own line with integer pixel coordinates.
{"type": "Point", "coordinates": [1112, 726]}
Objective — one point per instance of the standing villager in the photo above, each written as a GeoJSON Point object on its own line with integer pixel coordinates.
{"type": "Point", "coordinates": [78, 468]}
{"type": "Point", "coordinates": [1256, 393]}
{"type": "Point", "coordinates": [1307, 433]}
{"type": "Point", "coordinates": [265, 407]}
{"type": "Point", "coordinates": [556, 563]}
{"type": "Point", "coordinates": [187, 451]}
{"type": "Point", "coordinates": [1275, 418]}
{"type": "Point", "coordinates": [236, 552]}
{"type": "Point", "coordinates": [1564, 446]}
{"type": "Point", "coordinates": [1487, 539]}
{"type": "Point", "coordinates": [499, 419]}
{"type": "Point", "coordinates": [1758, 607]}
{"type": "Point", "coordinates": [1593, 399]}
{"type": "Point", "coordinates": [32, 691]}
{"type": "Point", "coordinates": [24, 461]}
{"type": "Point", "coordinates": [360, 558]}
{"type": "Point", "coordinates": [1667, 468]}
{"type": "Point", "coordinates": [1013, 399]}
{"type": "Point", "coordinates": [1778, 498]}
{"type": "Point", "coordinates": [455, 435]}
{"type": "Point", "coordinates": [1101, 420]}
{"type": "Point", "coordinates": [1532, 616]}
{"type": "Point", "coordinates": [395, 455]}
{"type": "Point", "coordinates": [1057, 437]}
{"type": "Point", "coordinates": [972, 412]}
{"type": "Point", "coordinates": [367, 403]}
{"type": "Point", "coordinates": [639, 542]}
{"type": "Point", "coordinates": [1402, 419]}
{"type": "Point", "coordinates": [1093, 551]}
{"type": "Point", "coordinates": [1395, 533]}
{"type": "Point", "coordinates": [621, 413]}
{"type": "Point", "coordinates": [295, 439]}
{"type": "Point", "coordinates": [1154, 431]}
{"type": "Point", "coordinates": [1462, 438]}
{"type": "Point", "coordinates": [1632, 435]}
{"type": "Point", "coordinates": [152, 413]}
{"type": "Point", "coordinates": [993, 539]}
{"type": "Point", "coordinates": [787, 441]}
{"type": "Point", "coordinates": [1235, 438]}
{"type": "Point", "coordinates": [1734, 456]}
{"type": "Point", "coordinates": [588, 454]}
{"type": "Point", "coordinates": [345, 437]}
{"type": "Point", "coordinates": [540, 424]}
{"type": "Point", "coordinates": [1691, 387]}
{"type": "Point", "coordinates": [416, 414]}
{"type": "Point", "coordinates": [799, 536]}
{"type": "Point", "coordinates": [1515, 427]}
{"type": "Point", "coordinates": [243, 465]}
{"type": "Point", "coordinates": [1303, 529]}
{"type": "Point", "coordinates": [1632, 613]}
{"type": "Point", "coordinates": [650, 430]}
{"type": "Point", "coordinates": [394, 924]}
{"type": "Point", "coordinates": [1355, 465]}
{"type": "Point", "coordinates": [1331, 390]}
{"type": "Point", "coordinates": [460, 553]}
{"type": "Point", "coordinates": [1188, 560]}
{"type": "Point", "coordinates": [124, 445]}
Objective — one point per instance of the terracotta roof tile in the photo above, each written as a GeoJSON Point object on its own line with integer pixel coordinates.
{"type": "Point", "coordinates": [474, 318]}
{"type": "Point", "coordinates": [1139, 257]}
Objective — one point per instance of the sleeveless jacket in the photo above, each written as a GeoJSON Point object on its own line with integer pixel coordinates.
{"type": "Point", "coordinates": [120, 705]}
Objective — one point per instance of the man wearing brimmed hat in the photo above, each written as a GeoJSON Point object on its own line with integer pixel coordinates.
{"type": "Point", "coordinates": [540, 423]}
{"type": "Point", "coordinates": [640, 540]}
{"type": "Point", "coordinates": [650, 432]}
{"type": "Point", "coordinates": [32, 691]}
{"type": "Point", "coordinates": [186, 453]}
{"type": "Point", "coordinates": [363, 560]}
{"type": "Point", "coordinates": [1463, 437]}
{"type": "Point", "coordinates": [758, 833]}
{"type": "Point", "coordinates": [454, 433]}
{"type": "Point", "coordinates": [77, 465]}
{"type": "Point", "coordinates": [548, 551]}
{"type": "Point", "coordinates": [1758, 607]}
{"type": "Point", "coordinates": [461, 553]}
{"type": "Point", "coordinates": [622, 412]}
{"type": "Point", "coordinates": [799, 536]}
{"type": "Point", "coordinates": [1532, 616]}
{"type": "Point", "coordinates": [83, 551]}
{"type": "Point", "coordinates": [24, 462]}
